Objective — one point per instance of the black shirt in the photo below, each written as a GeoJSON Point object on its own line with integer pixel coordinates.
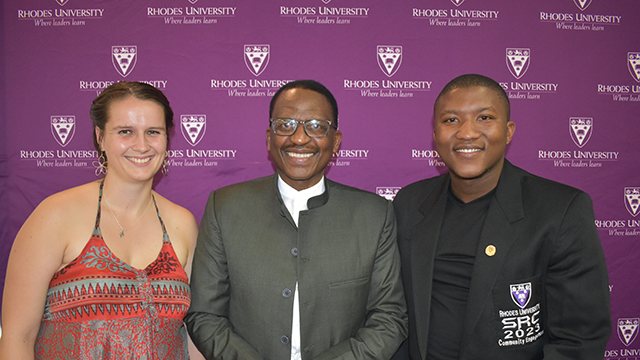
{"type": "Point", "coordinates": [452, 269]}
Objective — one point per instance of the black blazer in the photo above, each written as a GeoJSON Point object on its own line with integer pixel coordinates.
{"type": "Point", "coordinates": [539, 287]}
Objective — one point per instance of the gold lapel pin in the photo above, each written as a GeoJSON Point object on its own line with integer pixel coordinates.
{"type": "Point", "coordinates": [490, 250]}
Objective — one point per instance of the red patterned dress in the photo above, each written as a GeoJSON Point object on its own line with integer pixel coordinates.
{"type": "Point", "coordinates": [99, 307]}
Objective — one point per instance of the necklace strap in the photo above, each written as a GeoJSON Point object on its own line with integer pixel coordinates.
{"type": "Point", "coordinates": [122, 230]}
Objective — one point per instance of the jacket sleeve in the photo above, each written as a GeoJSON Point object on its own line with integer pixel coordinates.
{"type": "Point", "coordinates": [208, 317]}
{"type": "Point", "coordinates": [577, 288]}
{"type": "Point", "coordinates": [386, 324]}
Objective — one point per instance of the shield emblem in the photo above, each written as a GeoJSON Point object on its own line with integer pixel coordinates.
{"type": "Point", "coordinates": [326, 1]}
{"type": "Point", "coordinates": [457, 2]}
{"type": "Point", "coordinates": [389, 58]}
{"type": "Point", "coordinates": [63, 128]}
{"type": "Point", "coordinates": [520, 294]}
{"type": "Point", "coordinates": [256, 57]}
{"type": "Point", "coordinates": [580, 129]}
{"type": "Point", "coordinates": [628, 330]}
{"type": "Point", "coordinates": [582, 4]}
{"type": "Point", "coordinates": [632, 200]}
{"type": "Point", "coordinates": [388, 192]}
{"type": "Point", "coordinates": [518, 61]}
{"type": "Point", "coordinates": [193, 1]}
{"type": "Point", "coordinates": [124, 58]}
{"type": "Point", "coordinates": [62, 2]}
{"type": "Point", "coordinates": [633, 63]}
{"type": "Point", "coordinates": [193, 128]}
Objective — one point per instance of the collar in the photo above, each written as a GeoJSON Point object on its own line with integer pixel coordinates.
{"type": "Point", "coordinates": [296, 201]}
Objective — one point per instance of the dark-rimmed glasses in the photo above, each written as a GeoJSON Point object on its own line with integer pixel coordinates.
{"type": "Point", "coordinates": [314, 128]}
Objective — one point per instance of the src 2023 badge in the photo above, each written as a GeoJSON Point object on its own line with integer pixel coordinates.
{"type": "Point", "coordinates": [518, 314]}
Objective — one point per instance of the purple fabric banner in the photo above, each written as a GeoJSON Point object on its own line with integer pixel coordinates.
{"type": "Point", "coordinates": [570, 67]}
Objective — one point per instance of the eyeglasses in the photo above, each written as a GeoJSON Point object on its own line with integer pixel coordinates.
{"type": "Point", "coordinates": [314, 128]}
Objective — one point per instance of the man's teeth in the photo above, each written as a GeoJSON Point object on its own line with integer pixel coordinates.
{"type": "Point", "coordinates": [299, 155]}
{"type": "Point", "coordinates": [468, 150]}
{"type": "Point", "coordinates": [140, 161]}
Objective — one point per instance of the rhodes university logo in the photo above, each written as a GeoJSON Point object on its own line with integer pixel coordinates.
{"type": "Point", "coordinates": [193, 128]}
{"type": "Point", "coordinates": [518, 61]}
{"type": "Point", "coordinates": [63, 128]}
{"type": "Point", "coordinates": [633, 63]}
{"type": "Point", "coordinates": [628, 330]}
{"type": "Point", "coordinates": [389, 58]}
{"type": "Point", "coordinates": [256, 57]}
{"type": "Point", "coordinates": [457, 2]}
{"type": "Point", "coordinates": [388, 192]}
{"type": "Point", "coordinates": [632, 200]}
{"type": "Point", "coordinates": [582, 4]}
{"type": "Point", "coordinates": [580, 129]}
{"type": "Point", "coordinates": [124, 58]}
{"type": "Point", "coordinates": [520, 294]}
{"type": "Point", "coordinates": [62, 2]}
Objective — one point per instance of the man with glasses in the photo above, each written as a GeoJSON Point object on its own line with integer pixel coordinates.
{"type": "Point", "coordinates": [294, 265]}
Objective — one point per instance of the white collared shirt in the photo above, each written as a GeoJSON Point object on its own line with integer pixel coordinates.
{"type": "Point", "coordinates": [296, 201]}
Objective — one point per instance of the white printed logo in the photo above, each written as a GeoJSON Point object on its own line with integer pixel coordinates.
{"type": "Point", "coordinates": [633, 63]}
{"type": "Point", "coordinates": [627, 330]}
{"type": "Point", "coordinates": [193, 128]}
{"type": "Point", "coordinates": [518, 61]}
{"type": "Point", "coordinates": [632, 200]}
{"type": "Point", "coordinates": [256, 57]}
{"type": "Point", "coordinates": [63, 128]}
{"type": "Point", "coordinates": [62, 2]}
{"type": "Point", "coordinates": [193, 1]}
{"type": "Point", "coordinates": [457, 2]}
{"type": "Point", "coordinates": [124, 58]}
{"type": "Point", "coordinates": [389, 58]}
{"type": "Point", "coordinates": [387, 192]}
{"type": "Point", "coordinates": [580, 129]}
{"type": "Point", "coordinates": [326, 1]}
{"type": "Point", "coordinates": [582, 4]}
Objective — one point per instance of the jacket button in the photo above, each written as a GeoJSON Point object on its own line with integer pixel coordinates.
{"type": "Point", "coordinates": [284, 339]}
{"type": "Point", "coordinates": [286, 293]}
{"type": "Point", "coordinates": [294, 251]}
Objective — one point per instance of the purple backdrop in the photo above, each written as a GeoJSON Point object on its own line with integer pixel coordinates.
{"type": "Point", "coordinates": [571, 68]}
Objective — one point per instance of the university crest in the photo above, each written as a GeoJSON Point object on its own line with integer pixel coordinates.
{"type": "Point", "coordinates": [256, 57]}
{"type": "Point", "coordinates": [580, 129]}
{"type": "Point", "coordinates": [193, 128]}
{"type": "Point", "coordinates": [520, 294]}
{"type": "Point", "coordinates": [389, 58]}
{"type": "Point", "coordinates": [63, 128]}
{"type": "Point", "coordinates": [518, 61]}
{"type": "Point", "coordinates": [632, 200]}
{"type": "Point", "coordinates": [582, 4]}
{"type": "Point", "coordinates": [124, 58]}
{"type": "Point", "coordinates": [633, 63]}
{"type": "Point", "coordinates": [627, 330]}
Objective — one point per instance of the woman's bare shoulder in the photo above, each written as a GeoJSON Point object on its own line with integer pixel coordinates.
{"type": "Point", "coordinates": [65, 208]}
{"type": "Point", "coordinates": [177, 218]}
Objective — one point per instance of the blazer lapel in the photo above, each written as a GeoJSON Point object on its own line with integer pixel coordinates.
{"type": "Point", "coordinates": [424, 236]}
{"type": "Point", "coordinates": [495, 241]}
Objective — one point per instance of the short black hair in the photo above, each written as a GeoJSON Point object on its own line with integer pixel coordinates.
{"type": "Point", "coordinates": [309, 85]}
{"type": "Point", "coordinates": [472, 80]}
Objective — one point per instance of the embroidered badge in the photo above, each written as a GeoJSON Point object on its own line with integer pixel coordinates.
{"type": "Point", "coordinates": [521, 293]}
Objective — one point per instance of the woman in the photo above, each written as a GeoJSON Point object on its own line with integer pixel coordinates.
{"type": "Point", "coordinates": [123, 293]}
